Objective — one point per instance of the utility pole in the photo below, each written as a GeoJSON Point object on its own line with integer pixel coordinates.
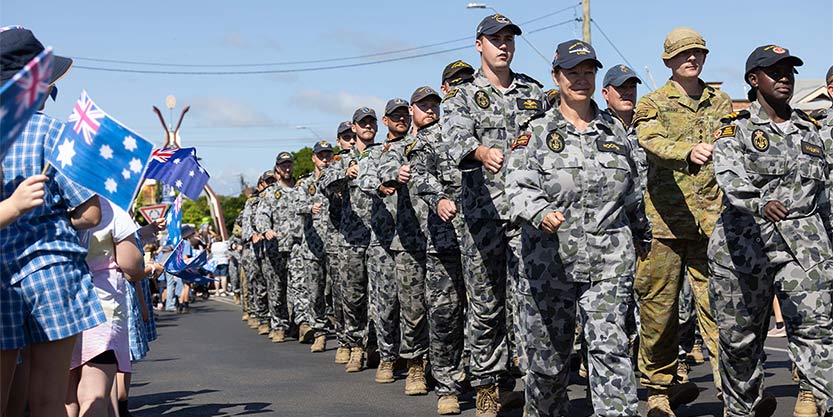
{"type": "Point", "coordinates": [585, 20]}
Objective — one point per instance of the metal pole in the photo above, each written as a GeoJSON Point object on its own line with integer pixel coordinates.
{"type": "Point", "coordinates": [585, 11]}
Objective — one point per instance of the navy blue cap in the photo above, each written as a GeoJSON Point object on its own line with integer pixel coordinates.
{"type": "Point", "coordinates": [457, 67]}
{"type": "Point", "coordinates": [495, 23]}
{"type": "Point", "coordinates": [424, 92]}
{"type": "Point", "coordinates": [573, 52]}
{"type": "Point", "coordinates": [18, 46]}
{"type": "Point", "coordinates": [344, 127]}
{"type": "Point", "coordinates": [363, 112]}
{"type": "Point", "coordinates": [768, 55]}
{"type": "Point", "coordinates": [322, 146]}
{"type": "Point", "coordinates": [394, 104]}
{"type": "Point", "coordinates": [266, 175]}
{"type": "Point", "coordinates": [283, 157]}
{"type": "Point", "coordinates": [618, 74]}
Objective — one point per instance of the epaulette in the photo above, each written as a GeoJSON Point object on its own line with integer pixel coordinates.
{"type": "Point", "coordinates": [529, 79]}
{"type": "Point", "coordinates": [343, 151]}
{"type": "Point", "coordinates": [372, 145]}
{"type": "Point", "coordinates": [807, 117]}
{"type": "Point", "coordinates": [552, 96]}
{"type": "Point", "coordinates": [727, 118]}
{"type": "Point", "coordinates": [460, 80]}
{"type": "Point", "coordinates": [451, 93]}
{"type": "Point", "coordinates": [525, 123]}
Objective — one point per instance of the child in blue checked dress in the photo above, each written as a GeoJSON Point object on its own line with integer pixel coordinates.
{"type": "Point", "coordinates": [46, 293]}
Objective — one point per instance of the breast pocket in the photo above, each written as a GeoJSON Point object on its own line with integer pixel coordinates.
{"type": "Point", "coordinates": [813, 169]}
{"type": "Point", "coordinates": [562, 176]}
{"type": "Point", "coordinates": [617, 175]}
{"type": "Point", "coordinates": [764, 168]}
{"type": "Point", "coordinates": [492, 132]}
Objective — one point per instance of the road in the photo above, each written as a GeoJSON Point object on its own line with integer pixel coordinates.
{"type": "Point", "coordinates": [209, 363]}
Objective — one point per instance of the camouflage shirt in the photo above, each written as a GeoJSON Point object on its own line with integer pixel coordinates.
{"type": "Point", "coordinates": [356, 203]}
{"type": "Point", "coordinates": [383, 210]}
{"type": "Point", "coordinates": [247, 219]}
{"type": "Point", "coordinates": [682, 199]}
{"type": "Point", "coordinates": [334, 204]}
{"type": "Point", "coordinates": [409, 236]}
{"type": "Point", "coordinates": [276, 212]}
{"type": "Point", "coordinates": [639, 153]}
{"type": "Point", "coordinates": [755, 162]}
{"type": "Point", "coordinates": [591, 177]}
{"type": "Point", "coordinates": [434, 177]}
{"type": "Point", "coordinates": [315, 226]}
{"type": "Point", "coordinates": [478, 114]}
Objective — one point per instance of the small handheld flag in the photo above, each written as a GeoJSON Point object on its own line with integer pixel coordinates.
{"type": "Point", "coordinates": [21, 96]}
{"type": "Point", "coordinates": [180, 169]}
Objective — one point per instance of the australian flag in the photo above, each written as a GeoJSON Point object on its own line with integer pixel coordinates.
{"type": "Point", "coordinates": [174, 220]}
{"type": "Point", "coordinates": [187, 270]}
{"type": "Point", "coordinates": [101, 154]}
{"type": "Point", "coordinates": [179, 168]}
{"type": "Point", "coordinates": [21, 96]}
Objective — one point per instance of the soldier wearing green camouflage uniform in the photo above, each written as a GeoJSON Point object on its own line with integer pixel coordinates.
{"type": "Point", "coordinates": [277, 221]}
{"type": "Point", "coordinates": [481, 119]}
{"type": "Point", "coordinates": [342, 178]}
{"type": "Point", "coordinates": [436, 181]}
{"type": "Point", "coordinates": [674, 125]}
{"type": "Point", "coordinates": [774, 236]}
{"type": "Point", "coordinates": [575, 186]}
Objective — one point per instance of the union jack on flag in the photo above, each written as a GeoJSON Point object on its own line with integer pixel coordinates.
{"type": "Point", "coordinates": [162, 155]}
{"type": "Point", "coordinates": [86, 117]}
{"type": "Point", "coordinates": [21, 96]}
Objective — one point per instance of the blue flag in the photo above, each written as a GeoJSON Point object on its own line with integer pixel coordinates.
{"type": "Point", "coordinates": [180, 169]}
{"type": "Point", "coordinates": [21, 96]}
{"type": "Point", "coordinates": [101, 154]}
{"type": "Point", "coordinates": [187, 270]}
{"type": "Point", "coordinates": [174, 220]}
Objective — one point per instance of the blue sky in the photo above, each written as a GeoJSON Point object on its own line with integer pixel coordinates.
{"type": "Point", "coordinates": [240, 122]}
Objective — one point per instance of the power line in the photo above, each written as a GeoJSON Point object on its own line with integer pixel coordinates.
{"type": "Point", "coordinates": [295, 70]}
{"type": "Point", "coordinates": [621, 55]}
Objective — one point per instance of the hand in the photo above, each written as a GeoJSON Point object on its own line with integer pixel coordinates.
{"type": "Point", "coordinates": [316, 208]}
{"type": "Point", "coordinates": [491, 158]}
{"type": "Point", "coordinates": [270, 234]}
{"type": "Point", "coordinates": [145, 315]}
{"type": "Point", "coordinates": [353, 172]}
{"type": "Point", "coordinates": [404, 174]}
{"type": "Point", "coordinates": [552, 221]}
{"type": "Point", "coordinates": [446, 209]}
{"type": "Point", "coordinates": [160, 224]}
{"type": "Point", "coordinates": [701, 153]}
{"type": "Point", "coordinates": [386, 191]}
{"type": "Point", "coordinates": [256, 238]}
{"type": "Point", "coordinates": [774, 211]}
{"type": "Point", "coordinates": [29, 194]}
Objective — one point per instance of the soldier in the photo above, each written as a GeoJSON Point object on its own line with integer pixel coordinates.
{"type": "Point", "coordinates": [673, 125]}
{"type": "Point", "coordinates": [575, 186]}
{"type": "Point", "coordinates": [277, 222]}
{"type": "Point", "coordinates": [436, 180]}
{"type": "Point", "coordinates": [619, 92]}
{"type": "Point", "coordinates": [481, 120]}
{"type": "Point", "coordinates": [408, 245]}
{"type": "Point", "coordinates": [774, 236]}
{"type": "Point", "coordinates": [346, 138]}
{"type": "Point", "coordinates": [258, 307]}
{"type": "Point", "coordinates": [346, 177]}
{"type": "Point", "coordinates": [454, 74]}
{"type": "Point", "coordinates": [234, 261]}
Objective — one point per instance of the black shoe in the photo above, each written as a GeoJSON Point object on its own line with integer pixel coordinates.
{"type": "Point", "coordinates": [682, 394]}
{"type": "Point", "coordinates": [766, 407]}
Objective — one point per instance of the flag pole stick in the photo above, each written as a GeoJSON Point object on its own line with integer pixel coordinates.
{"type": "Point", "coordinates": [45, 168]}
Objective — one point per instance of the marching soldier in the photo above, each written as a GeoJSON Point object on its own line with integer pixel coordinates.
{"type": "Point", "coordinates": [257, 304]}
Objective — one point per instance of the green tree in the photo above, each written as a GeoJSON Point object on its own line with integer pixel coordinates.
{"type": "Point", "coordinates": [303, 161]}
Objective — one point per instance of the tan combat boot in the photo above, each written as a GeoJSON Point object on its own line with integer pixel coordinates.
{"type": "Point", "coordinates": [661, 403]}
{"type": "Point", "coordinates": [319, 345]}
{"type": "Point", "coordinates": [384, 372]}
{"type": "Point", "coordinates": [658, 405]}
{"type": "Point", "coordinates": [356, 361]}
{"type": "Point", "coordinates": [271, 334]}
{"type": "Point", "coordinates": [696, 353]}
{"type": "Point", "coordinates": [805, 405]}
{"type": "Point", "coordinates": [486, 403]}
{"type": "Point", "coordinates": [279, 336]}
{"type": "Point", "coordinates": [263, 329]}
{"type": "Point", "coordinates": [236, 299]}
{"type": "Point", "coordinates": [305, 333]}
{"type": "Point", "coordinates": [342, 355]}
{"type": "Point", "coordinates": [682, 371]}
{"type": "Point", "coordinates": [245, 317]}
{"type": "Point", "coordinates": [448, 405]}
{"type": "Point", "coordinates": [415, 382]}
{"type": "Point", "coordinates": [253, 323]}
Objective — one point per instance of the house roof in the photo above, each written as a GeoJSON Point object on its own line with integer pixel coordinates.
{"type": "Point", "coordinates": [810, 94]}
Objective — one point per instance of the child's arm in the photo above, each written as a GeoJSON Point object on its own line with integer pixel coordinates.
{"type": "Point", "coordinates": [28, 195]}
{"type": "Point", "coordinates": [87, 215]}
{"type": "Point", "coordinates": [129, 258]}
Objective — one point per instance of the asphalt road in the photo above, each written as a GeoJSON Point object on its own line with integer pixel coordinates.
{"type": "Point", "coordinates": [209, 363]}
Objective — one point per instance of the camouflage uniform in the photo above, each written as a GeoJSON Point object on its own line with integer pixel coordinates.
{"type": "Point", "coordinates": [682, 201]}
{"type": "Point", "coordinates": [381, 262]}
{"type": "Point", "coordinates": [408, 245]}
{"type": "Point", "coordinates": [354, 229]}
{"type": "Point", "coordinates": [332, 244]}
{"type": "Point", "coordinates": [257, 303]}
{"type": "Point", "coordinates": [312, 252]}
{"type": "Point", "coordinates": [475, 114]}
{"type": "Point", "coordinates": [435, 177]}
{"type": "Point", "coordinates": [234, 265]}
{"type": "Point", "coordinates": [276, 213]}
{"type": "Point", "coordinates": [753, 258]}
{"type": "Point", "coordinates": [592, 178]}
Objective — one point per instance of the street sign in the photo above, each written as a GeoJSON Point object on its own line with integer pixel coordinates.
{"type": "Point", "coordinates": [151, 213]}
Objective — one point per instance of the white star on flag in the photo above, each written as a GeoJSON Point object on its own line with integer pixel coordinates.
{"type": "Point", "coordinates": [191, 173]}
{"type": "Point", "coordinates": [129, 143]}
{"type": "Point", "coordinates": [136, 165]}
{"type": "Point", "coordinates": [178, 183]}
{"type": "Point", "coordinates": [106, 152]}
{"type": "Point", "coordinates": [66, 152]}
{"type": "Point", "coordinates": [110, 185]}
{"type": "Point", "coordinates": [126, 174]}
{"type": "Point", "coordinates": [176, 161]}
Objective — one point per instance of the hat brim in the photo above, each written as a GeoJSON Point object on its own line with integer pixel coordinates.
{"type": "Point", "coordinates": [417, 99]}
{"type": "Point", "coordinates": [60, 67]}
{"type": "Point", "coordinates": [683, 49]}
{"type": "Point", "coordinates": [398, 106]}
{"type": "Point", "coordinates": [456, 73]}
{"type": "Point", "coordinates": [515, 29]}
{"type": "Point", "coordinates": [621, 80]}
{"type": "Point", "coordinates": [575, 64]}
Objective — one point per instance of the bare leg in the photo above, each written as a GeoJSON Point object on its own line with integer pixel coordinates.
{"type": "Point", "coordinates": [71, 400]}
{"type": "Point", "coordinates": [19, 395]}
{"type": "Point", "coordinates": [776, 308]}
{"type": "Point", "coordinates": [94, 389]}
{"type": "Point", "coordinates": [113, 406]}
{"type": "Point", "coordinates": [49, 367]}
{"type": "Point", "coordinates": [185, 295]}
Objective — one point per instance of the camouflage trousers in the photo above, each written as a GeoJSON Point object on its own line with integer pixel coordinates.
{"type": "Point", "coordinates": [256, 282]}
{"type": "Point", "coordinates": [310, 306]}
{"type": "Point", "coordinates": [275, 274]}
{"type": "Point", "coordinates": [334, 279]}
{"type": "Point", "coordinates": [688, 321]}
{"type": "Point", "coordinates": [296, 294]}
{"type": "Point", "coordinates": [246, 259]}
{"type": "Point", "coordinates": [446, 296]}
{"type": "Point", "coordinates": [413, 319]}
{"type": "Point", "coordinates": [548, 310]}
{"type": "Point", "coordinates": [657, 286]}
{"type": "Point", "coordinates": [484, 253]}
{"type": "Point", "coordinates": [354, 294]}
{"type": "Point", "coordinates": [234, 274]}
{"type": "Point", "coordinates": [743, 304]}
{"type": "Point", "coordinates": [384, 297]}
{"type": "Point", "coordinates": [513, 341]}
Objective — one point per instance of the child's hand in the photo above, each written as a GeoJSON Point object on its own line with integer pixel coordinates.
{"type": "Point", "coordinates": [29, 194]}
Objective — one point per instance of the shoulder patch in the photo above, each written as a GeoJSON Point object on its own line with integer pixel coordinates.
{"type": "Point", "coordinates": [386, 148]}
{"type": "Point", "coordinates": [410, 148]}
{"type": "Point", "coordinates": [807, 117]}
{"type": "Point", "coordinates": [528, 104]}
{"type": "Point", "coordinates": [482, 99]}
{"type": "Point", "coordinates": [726, 118]}
{"type": "Point", "coordinates": [311, 190]}
{"type": "Point", "coordinates": [610, 146]}
{"type": "Point", "coordinates": [521, 141]}
{"type": "Point", "coordinates": [451, 93]}
{"type": "Point", "coordinates": [277, 195]}
{"type": "Point", "coordinates": [728, 131]}
{"type": "Point", "coordinates": [555, 141]}
{"type": "Point", "coordinates": [337, 158]}
{"type": "Point", "coordinates": [644, 113]}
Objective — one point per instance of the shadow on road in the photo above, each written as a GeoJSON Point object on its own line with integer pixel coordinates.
{"type": "Point", "coordinates": [178, 403]}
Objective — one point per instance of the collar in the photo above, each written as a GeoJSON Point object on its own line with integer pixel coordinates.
{"type": "Point", "coordinates": [481, 81]}
{"type": "Point", "coordinates": [758, 117]}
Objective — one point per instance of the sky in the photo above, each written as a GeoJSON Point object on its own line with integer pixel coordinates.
{"type": "Point", "coordinates": [240, 122]}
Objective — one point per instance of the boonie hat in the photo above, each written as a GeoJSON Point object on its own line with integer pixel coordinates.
{"type": "Point", "coordinates": [682, 39]}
